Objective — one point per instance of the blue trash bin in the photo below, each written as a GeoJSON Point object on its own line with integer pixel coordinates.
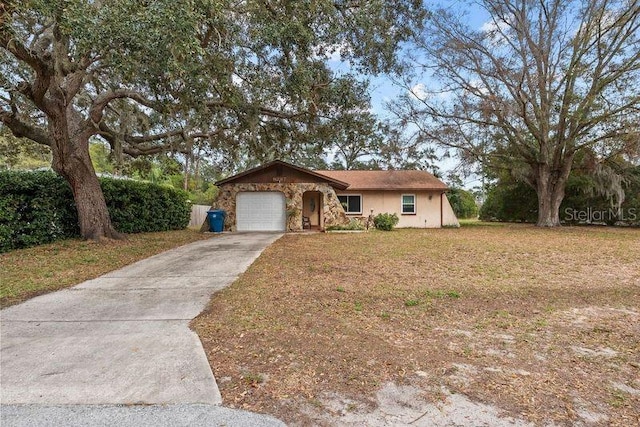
{"type": "Point", "coordinates": [216, 220]}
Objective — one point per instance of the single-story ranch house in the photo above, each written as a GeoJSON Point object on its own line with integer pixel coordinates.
{"type": "Point", "coordinates": [279, 196]}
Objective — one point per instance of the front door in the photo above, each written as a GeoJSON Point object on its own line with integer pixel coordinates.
{"type": "Point", "coordinates": [311, 207]}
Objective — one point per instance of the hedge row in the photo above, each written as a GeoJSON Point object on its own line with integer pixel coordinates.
{"type": "Point", "coordinates": [38, 208]}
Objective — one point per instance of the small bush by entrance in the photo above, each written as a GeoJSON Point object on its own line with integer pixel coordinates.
{"type": "Point", "coordinates": [386, 221]}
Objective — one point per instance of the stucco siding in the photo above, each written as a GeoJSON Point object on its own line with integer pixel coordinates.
{"type": "Point", "coordinates": [449, 218]}
{"type": "Point", "coordinates": [427, 206]}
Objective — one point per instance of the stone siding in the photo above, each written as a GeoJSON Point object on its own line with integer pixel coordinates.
{"type": "Point", "coordinates": [333, 213]}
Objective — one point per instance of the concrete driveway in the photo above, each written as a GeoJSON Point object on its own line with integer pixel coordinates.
{"type": "Point", "coordinates": [124, 337]}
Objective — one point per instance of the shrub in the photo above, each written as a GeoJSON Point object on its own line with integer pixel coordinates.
{"type": "Point", "coordinates": [35, 208]}
{"type": "Point", "coordinates": [510, 202]}
{"type": "Point", "coordinates": [137, 207]}
{"type": "Point", "coordinates": [386, 221]}
{"type": "Point", "coordinates": [38, 208]}
{"type": "Point", "coordinates": [354, 225]}
{"type": "Point", "coordinates": [206, 197]}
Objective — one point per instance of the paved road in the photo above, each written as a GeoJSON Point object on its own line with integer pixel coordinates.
{"type": "Point", "coordinates": [192, 415]}
{"type": "Point", "coordinates": [123, 338]}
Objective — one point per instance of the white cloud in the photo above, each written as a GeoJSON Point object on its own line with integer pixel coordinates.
{"type": "Point", "coordinates": [422, 92]}
{"type": "Point", "coordinates": [496, 31]}
{"type": "Point", "coordinates": [419, 92]}
{"type": "Point", "coordinates": [609, 18]}
{"type": "Point", "coordinates": [493, 26]}
{"type": "Point", "coordinates": [334, 56]}
{"type": "Point", "coordinates": [445, 95]}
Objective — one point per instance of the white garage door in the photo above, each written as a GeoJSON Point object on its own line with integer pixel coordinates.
{"type": "Point", "coordinates": [260, 211]}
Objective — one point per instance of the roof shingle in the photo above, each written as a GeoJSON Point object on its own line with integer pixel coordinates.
{"type": "Point", "coordinates": [386, 180]}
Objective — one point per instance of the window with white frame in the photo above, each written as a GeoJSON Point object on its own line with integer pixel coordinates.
{"type": "Point", "coordinates": [352, 203]}
{"type": "Point", "coordinates": [408, 204]}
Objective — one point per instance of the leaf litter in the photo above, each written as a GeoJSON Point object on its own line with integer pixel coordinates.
{"type": "Point", "coordinates": [505, 326]}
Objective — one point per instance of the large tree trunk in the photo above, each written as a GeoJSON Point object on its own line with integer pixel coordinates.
{"type": "Point", "coordinates": [72, 161]}
{"type": "Point", "coordinates": [549, 207]}
{"type": "Point", "coordinates": [550, 188]}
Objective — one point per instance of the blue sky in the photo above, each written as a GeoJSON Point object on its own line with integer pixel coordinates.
{"type": "Point", "coordinates": [382, 88]}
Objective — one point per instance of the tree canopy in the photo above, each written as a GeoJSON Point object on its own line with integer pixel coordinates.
{"type": "Point", "coordinates": [247, 79]}
{"type": "Point", "coordinates": [541, 83]}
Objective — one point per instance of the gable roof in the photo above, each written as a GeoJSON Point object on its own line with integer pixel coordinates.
{"type": "Point", "coordinates": [387, 180]}
{"type": "Point", "coordinates": [334, 182]}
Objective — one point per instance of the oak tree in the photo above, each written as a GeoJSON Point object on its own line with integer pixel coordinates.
{"type": "Point", "coordinates": [153, 76]}
{"type": "Point", "coordinates": [541, 82]}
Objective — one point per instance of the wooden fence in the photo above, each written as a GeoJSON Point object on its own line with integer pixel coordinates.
{"type": "Point", "coordinates": [198, 215]}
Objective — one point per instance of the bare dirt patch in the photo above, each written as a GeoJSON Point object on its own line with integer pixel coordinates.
{"type": "Point", "coordinates": [505, 325]}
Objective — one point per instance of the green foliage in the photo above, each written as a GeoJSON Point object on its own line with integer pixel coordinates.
{"type": "Point", "coordinates": [214, 65]}
{"type": "Point", "coordinates": [22, 153]}
{"type": "Point", "coordinates": [35, 208]}
{"type": "Point", "coordinates": [510, 201]}
{"type": "Point", "coordinates": [354, 225]}
{"type": "Point", "coordinates": [101, 158]}
{"type": "Point", "coordinates": [203, 197]}
{"type": "Point", "coordinates": [137, 207]}
{"type": "Point", "coordinates": [581, 199]}
{"type": "Point", "coordinates": [248, 80]}
{"type": "Point", "coordinates": [506, 110]}
{"type": "Point", "coordinates": [386, 221]}
{"type": "Point", "coordinates": [38, 208]}
{"type": "Point", "coordinates": [463, 203]}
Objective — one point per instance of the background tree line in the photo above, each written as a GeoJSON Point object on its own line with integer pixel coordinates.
{"type": "Point", "coordinates": [589, 198]}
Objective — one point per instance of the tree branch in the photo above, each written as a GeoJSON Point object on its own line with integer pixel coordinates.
{"type": "Point", "coordinates": [23, 130]}
{"type": "Point", "coordinates": [17, 49]}
{"type": "Point", "coordinates": [264, 111]}
{"type": "Point", "coordinates": [96, 111]}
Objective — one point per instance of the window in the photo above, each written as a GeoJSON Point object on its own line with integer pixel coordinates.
{"type": "Point", "coordinates": [408, 204]}
{"type": "Point", "coordinates": [352, 203]}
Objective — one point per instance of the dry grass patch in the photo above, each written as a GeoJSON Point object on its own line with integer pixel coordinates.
{"type": "Point", "coordinates": [26, 273]}
{"type": "Point", "coordinates": [543, 324]}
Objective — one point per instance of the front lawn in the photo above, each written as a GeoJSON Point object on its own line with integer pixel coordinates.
{"type": "Point", "coordinates": [25, 273]}
{"type": "Point", "coordinates": [539, 325]}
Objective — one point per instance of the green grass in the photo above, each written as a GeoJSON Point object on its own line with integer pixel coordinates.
{"type": "Point", "coordinates": [26, 273]}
